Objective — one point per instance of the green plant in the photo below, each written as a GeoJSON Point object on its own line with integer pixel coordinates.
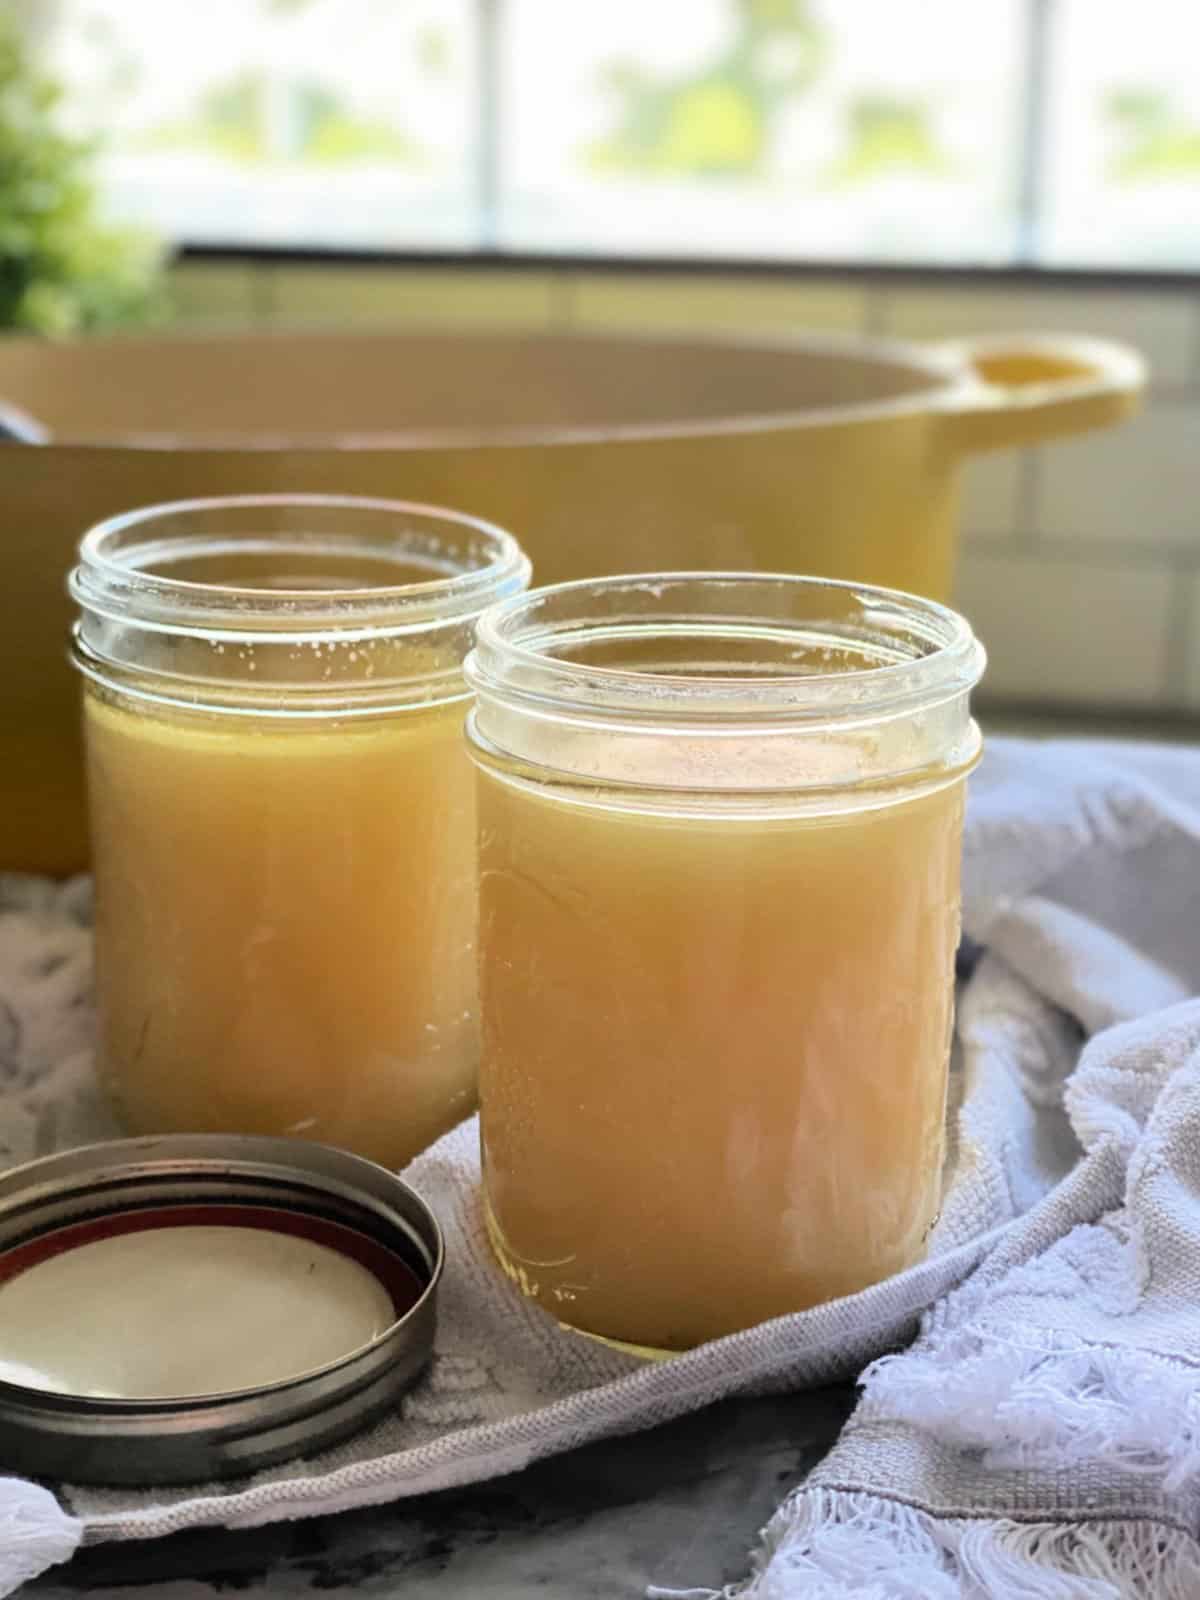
{"type": "Point", "coordinates": [62, 270]}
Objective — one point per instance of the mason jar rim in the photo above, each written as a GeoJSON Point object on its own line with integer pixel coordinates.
{"type": "Point", "coordinates": [513, 659]}
{"type": "Point", "coordinates": [771, 715]}
{"type": "Point", "coordinates": [297, 652]}
{"type": "Point", "coordinates": [109, 582]}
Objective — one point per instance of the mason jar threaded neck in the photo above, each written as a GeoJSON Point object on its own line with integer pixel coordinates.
{"type": "Point", "coordinates": [750, 683]}
{"type": "Point", "coordinates": [288, 605]}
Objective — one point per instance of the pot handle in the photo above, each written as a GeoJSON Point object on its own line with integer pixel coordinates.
{"type": "Point", "coordinates": [1021, 389]}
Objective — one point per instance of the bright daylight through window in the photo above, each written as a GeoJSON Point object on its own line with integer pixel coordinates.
{"type": "Point", "coordinates": [1044, 132]}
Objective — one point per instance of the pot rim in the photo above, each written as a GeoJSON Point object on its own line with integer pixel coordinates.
{"type": "Point", "coordinates": [942, 378]}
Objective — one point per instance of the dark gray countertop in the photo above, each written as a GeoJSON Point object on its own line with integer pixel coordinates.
{"type": "Point", "coordinates": [677, 1506]}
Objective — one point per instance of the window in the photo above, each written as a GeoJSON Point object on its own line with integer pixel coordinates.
{"type": "Point", "coordinates": [995, 132]}
{"type": "Point", "coordinates": [1123, 141]}
{"type": "Point", "coordinates": [768, 128]}
{"type": "Point", "coordinates": [344, 123]}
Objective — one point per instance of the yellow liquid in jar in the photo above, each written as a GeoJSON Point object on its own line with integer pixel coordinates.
{"type": "Point", "coordinates": [285, 924]}
{"type": "Point", "coordinates": [715, 1052]}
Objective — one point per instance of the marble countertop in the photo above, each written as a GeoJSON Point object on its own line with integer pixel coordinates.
{"type": "Point", "coordinates": [678, 1506]}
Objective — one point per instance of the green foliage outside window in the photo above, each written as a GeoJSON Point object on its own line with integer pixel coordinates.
{"type": "Point", "coordinates": [1155, 139]}
{"type": "Point", "coordinates": [272, 115]}
{"type": "Point", "coordinates": [258, 116]}
{"type": "Point", "coordinates": [886, 134]}
{"type": "Point", "coordinates": [718, 121]}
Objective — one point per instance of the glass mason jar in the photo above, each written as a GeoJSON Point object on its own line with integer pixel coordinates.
{"type": "Point", "coordinates": [282, 814]}
{"type": "Point", "coordinates": [720, 831]}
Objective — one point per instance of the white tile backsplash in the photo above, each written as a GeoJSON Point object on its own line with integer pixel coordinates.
{"type": "Point", "coordinates": [1163, 325]}
{"type": "Point", "coordinates": [1061, 633]}
{"type": "Point", "coordinates": [394, 296]}
{"type": "Point", "coordinates": [209, 293]}
{"type": "Point", "coordinates": [1191, 681]}
{"type": "Point", "coordinates": [629, 300]}
{"type": "Point", "coordinates": [1139, 482]}
{"type": "Point", "coordinates": [991, 501]}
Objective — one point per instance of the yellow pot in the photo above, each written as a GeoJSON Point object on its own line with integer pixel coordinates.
{"type": "Point", "coordinates": [828, 456]}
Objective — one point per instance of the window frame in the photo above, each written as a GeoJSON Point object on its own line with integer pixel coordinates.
{"type": "Point", "coordinates": [1020, 275]}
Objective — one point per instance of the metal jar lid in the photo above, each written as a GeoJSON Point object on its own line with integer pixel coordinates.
{"type": "Point", "coordinates": [284, 1185]}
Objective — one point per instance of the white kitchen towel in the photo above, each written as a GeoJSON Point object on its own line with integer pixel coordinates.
{"type": "Point", "coordinates": [1041, 1438]}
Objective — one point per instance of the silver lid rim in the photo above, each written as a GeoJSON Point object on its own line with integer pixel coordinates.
{"type": "Point", "coordinates": [189, 1438]}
